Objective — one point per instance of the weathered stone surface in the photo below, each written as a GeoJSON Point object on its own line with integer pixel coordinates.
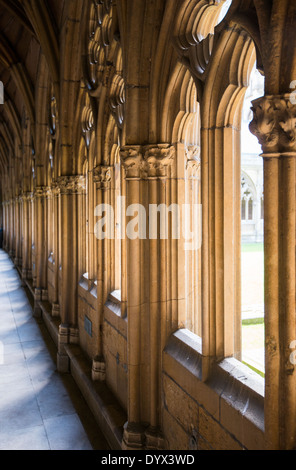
{"type": "Point", "coordinates": [111, 109]}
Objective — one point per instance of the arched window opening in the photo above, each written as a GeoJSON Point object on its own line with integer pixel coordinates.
{"type": "Point", "coordinates": [118, 212]}
{"type": "Point", "coordinates": [252, 248]}
{"type": "Point", "coordinates": [191, 210]}
{"type": "Point", "coordinates": [85, 218]}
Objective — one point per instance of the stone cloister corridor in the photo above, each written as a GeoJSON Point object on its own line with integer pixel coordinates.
{"type": "Point", "coordinates": [39, 410]}
{"type": "Point", "coordinates": [148, 225]}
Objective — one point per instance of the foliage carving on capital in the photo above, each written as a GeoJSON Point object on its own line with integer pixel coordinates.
{"type": "Point", "coordinates": [27, 196]}
{"type": "Point", "coordinates": [274, 124]}
{"type": "Point", "coordinates": [193, 162]}
{"type": "Point", "coordinates": [55, 189]}
{"type": "Point", "coordinates": [151, 161]}
{"type": "Point", "coordinates": [102, 176]}
{"type": "Point", "coordinates": [42, 192]}
{"type": "Point", "coordinates": [287, 122]}
{"type": "Point", "coordinates": [158, 159]}
{"type": "Point", "coordinates": [71, 184]}
{"type": "Point", "coordinates": [133, 162]}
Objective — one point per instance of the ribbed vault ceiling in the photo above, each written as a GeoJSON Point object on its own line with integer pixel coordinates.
{"type": "Point", "coordinates": [20, 47]}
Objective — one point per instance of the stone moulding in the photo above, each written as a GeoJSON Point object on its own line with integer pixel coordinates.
{"type": "Point", "coordinates": [274, 125]}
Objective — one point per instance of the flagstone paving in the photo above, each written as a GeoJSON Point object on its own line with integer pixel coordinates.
{"type": "Point", "coordinates": [40, 409]}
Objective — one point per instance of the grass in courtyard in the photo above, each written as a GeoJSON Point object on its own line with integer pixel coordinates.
{"type": "Point", "coordinates": [259, 372]}
{"type": "Point", "coordinates": [253, 342]}
{"type": "Point", "coordinates": [252, 247]}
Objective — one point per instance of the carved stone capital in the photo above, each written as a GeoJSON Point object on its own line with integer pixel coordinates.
{"type": "Point", "coordinates": [151, 161]}
{"type": "Point", "coordinates": [192, 154]}
{"type": "Point", "coordinates": [71, 184]}
{"type": "Point", "coordinates": [158, 159]}
{"type": "Point", "coordinates": [27, 197]}
{"type": "Point", "coordinates": [42, 192]}
{"type": "Point", "coordinates": [132, 161]}
{"type": "Point", "coordinates": [102, 176]}
{"type": "Point", "coordinates": [55, 188]}
{"type": "Point", "coordinates": [274, 124]}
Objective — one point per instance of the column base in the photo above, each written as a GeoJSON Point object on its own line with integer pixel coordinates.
{"type": "Point", "coordinates": [133, 437]}
{"type": "Point", "coordinates": [73, 335]}
{"type": "Point", "coordinates": [24, 274]}
{"type": "Point", "coordinates": [154, 440]}
{"type": "Point", "coordinates": [55, 312]}
{"type": "Point", "coordinates": [63, 363]}
{"type": "Point", "coordinates": [37, 298]}
{"type": "Point", "coordinates": [45, 295]}
{"type": "Point", "coordinates": [140, 437]}
{"type": "Point", "coordinates": [98, 372]}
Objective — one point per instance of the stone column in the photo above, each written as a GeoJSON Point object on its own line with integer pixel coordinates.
{"type": "Point", "coordinates": [11, 227]}
{"type": "Point", "coordinates": [30, 235]}
{"type": "Point", "coordinates": [41, 255]}
{"type": "Point", "coordinates": [102, 177]}
{"type": "Point", "coordinates": [71, 190]}
{"type": "Point", "coordinates": [148, 312]}
{"type": "Point", "coordinates": [274, 125]}
{"type": "Point", "coordinates": [55, 190]}
{"type": "Point", "coordinates": [20, 233]}
{"type": "Point", "coordinates": [158, 163]}
{"type": "Point", "coordinates": [26, 248]}
{"type": "Point", "coordinates": [134, 437]}
{"type": "Point", "coordinates": [17, 253]}
{"type": "Point", "coordinates": [193, 256]}
{"type": "Point", "coordinates": [5, 225]}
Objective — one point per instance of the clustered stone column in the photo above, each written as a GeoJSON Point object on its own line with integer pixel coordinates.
{"type": "Point", "coordinates": [102, 177]}
{"type": "Point", "coordinates": [147, 170]}
{"type": "Point", "coordinates": [17, 231]}
{"type": "Point", "coordinates": [27, 199]}
{"type": "Point", "coordinates": [55, 192]}
{"type": "Point", "coordinates": [71, 189]}
{"type": "Point", "coordinates": [192, 197]}
{"type": "Point", "coordinates": [274, 125]}
{"type": "Point", "coordinates": [41, 194]}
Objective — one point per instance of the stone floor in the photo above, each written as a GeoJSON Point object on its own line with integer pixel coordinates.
{"type": "Point", "coordinates": [39, 408]}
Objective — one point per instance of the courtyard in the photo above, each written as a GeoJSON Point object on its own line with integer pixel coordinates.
{"type": "Point", "coordinates": [253, 306]}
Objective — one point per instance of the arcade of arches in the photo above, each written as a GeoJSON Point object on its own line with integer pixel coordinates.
{"type": "Point", "coordinates": [133, 104]}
